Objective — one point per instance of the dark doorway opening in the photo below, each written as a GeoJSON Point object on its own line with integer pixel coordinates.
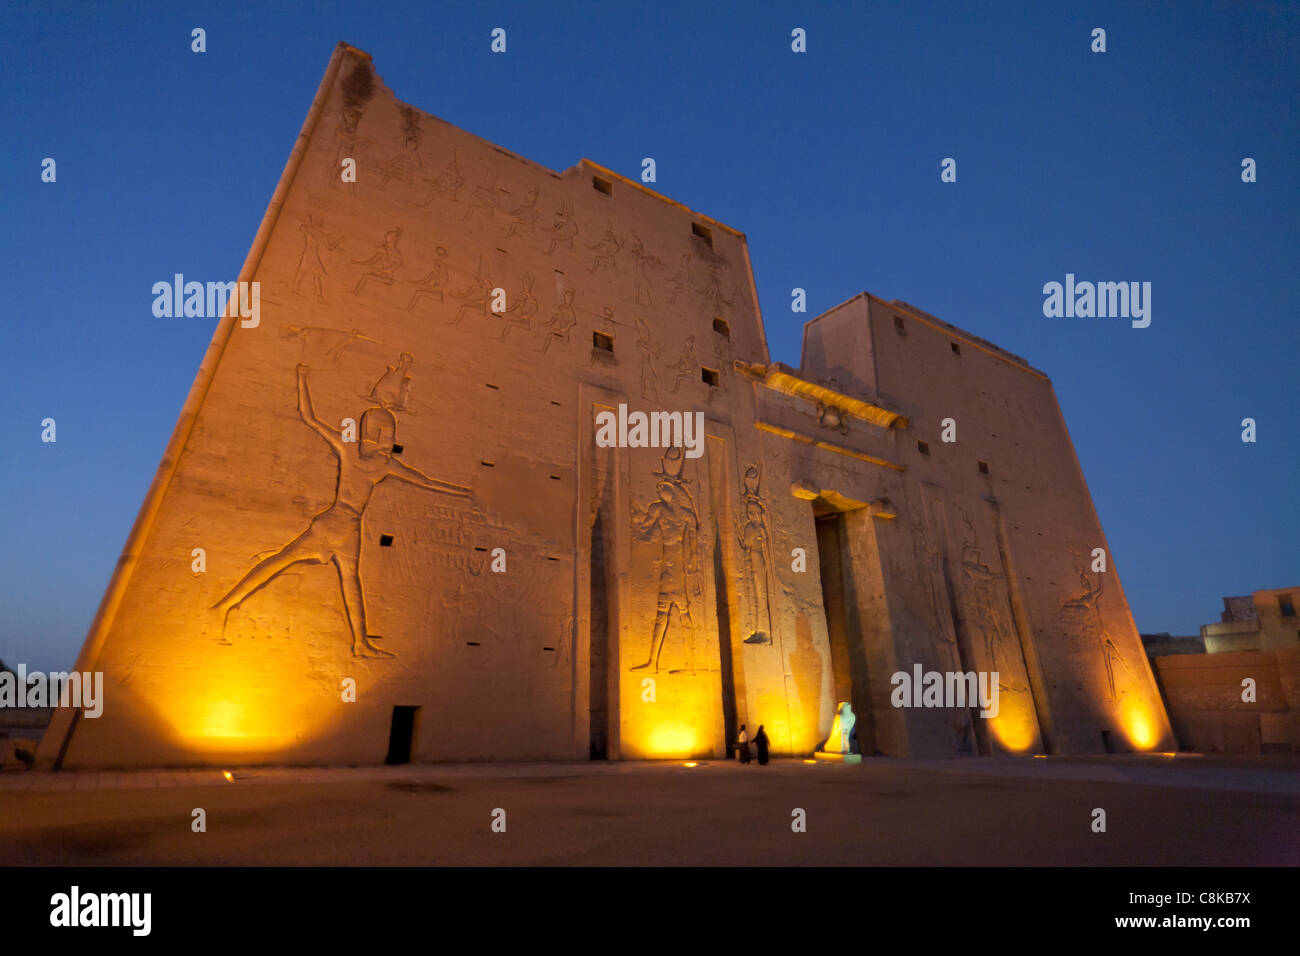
{"type": "Point", "coordinates": [1106, 743]}
{"type": "Point", "coordinates": [401, 736]}
{"type": "Point", "coordinates": [848, 656]}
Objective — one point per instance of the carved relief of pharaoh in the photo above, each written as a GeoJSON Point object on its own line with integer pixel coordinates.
{"type": "Point", "coordinates": [645, 263]}
{"type": "Point", "coordinates": [483, 199]}
{"type": "Point", "coordinates": [561, 322]}
{"type": "Point", "coordinates": [403, 166]}
{"type": "Point", "coordinates": [383, 265]}
{"type": "Point", "coordinates": [311, 263]}
{"type": "Point", "coordinates": [673, 521]}
{"type": "Point", "coordinates": [564, 228]}
{"type": "Point", "coordinates": [687, 366]}
{"type": "Point", "coordinates": [982, 592]}
{"type": "Point", "coordinates": [649, 352]}
{"type": "Point", "coordinates": [525, 216]}
{"type": "Point", "coordinates": [520, 312]}
{"type": "Point", "coordinates": [683, 280]}
{"type": "Point", "coordinates": [1084, 613]}
{"type": "Point", "coordinates": [606, 250]}
{"type": "Point", "coordinates": [476, 298]}
{"type": "Point", "coordinates": [433, 284]}
{"type": "Point", "coordinates": [348, 143]}
{"type": "Point", "coordinates": [446, 184]}
{"type": "Point", "coordinates": [712, 290]}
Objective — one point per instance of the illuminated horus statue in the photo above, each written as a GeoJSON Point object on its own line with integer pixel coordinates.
{"type": "Point", "coordinates": [673, 520]}
{"type": "Point", "coordinates": [840, 740]}
{"type": "Point", "coordinates": [334, 535]}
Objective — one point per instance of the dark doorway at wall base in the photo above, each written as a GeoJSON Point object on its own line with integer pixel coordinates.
{"type": "Point", "coordinates": [401, 735]}
{"type": "Point", "coordinates": [848, 657]}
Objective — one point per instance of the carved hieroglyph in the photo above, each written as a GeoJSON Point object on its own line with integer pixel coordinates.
{"type": "Point", "coordinates": [645, 263]}
{"type": "Point", "coordinates": [726, 361]}
{"type": "Point", "coordinates": [382, 266]}
{"type": "Point", "coordinates": [564, 229]}
{"type": "Point", "coordinates": [606, 250]}
{"type": "Point", "coordinates": [358, 87]}
{"type": "Point", "coordinates": [683, 280]}
{"type": "Point", "coordinates": [433, 284]}
{"type": "Point", "coordinates": [483, 199]}
{"type": "Point", "coordinates": [311, 263]}
{"type": "Point", "coordinates": [562, 320]}
{"type": "Point", "coordinates": [334, 535]}
{"type": "Point", "coordinates": [519, 314]}
{"type": "Point", "coordinates": [687, 366]}
{"type": "Point", "coordinates": [525, 216]}
{"type": "Point", "coordinates": [446, 184]}
{"type": "Point", "coordinates": [649, 352]}
{"type": "Point", "coordinates": [404, 165]}
{"type": "Point", "coordinates": [476, 299]}
{"type": "Point", "coordinates": [712, 291]}
{"type": "Point", "coordinates": [324, 343]}
{"type": "Point", "coordinates": [401, 167]}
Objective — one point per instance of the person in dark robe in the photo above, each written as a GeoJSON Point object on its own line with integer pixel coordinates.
{"type": "Point", "coordinates": [742, 745]}
{"type": "Point", "coordinates": [760, 744]}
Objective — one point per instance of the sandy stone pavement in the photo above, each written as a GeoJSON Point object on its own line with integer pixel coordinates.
{"type": "Point", "coordinates": [1182, 811]}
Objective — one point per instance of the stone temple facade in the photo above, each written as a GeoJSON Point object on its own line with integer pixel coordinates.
{"type": "Point", "coordinates": [387, 525]}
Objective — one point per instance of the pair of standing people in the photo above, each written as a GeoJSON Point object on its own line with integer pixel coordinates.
{"type": "Point", "coordinates": [760, 744]}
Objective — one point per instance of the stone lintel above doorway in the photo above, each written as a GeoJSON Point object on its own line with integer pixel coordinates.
{"type": "Point", "coordinates": [788, 381]}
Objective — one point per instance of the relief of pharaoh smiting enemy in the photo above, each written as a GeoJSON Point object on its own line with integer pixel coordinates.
{"type": "Point", "coordinates": [334, 535]}
{"type": "Point", "coordinates": [672, 519]}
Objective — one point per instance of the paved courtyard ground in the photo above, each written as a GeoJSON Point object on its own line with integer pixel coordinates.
{"type": "Point", "coordinates": [1160, 811]}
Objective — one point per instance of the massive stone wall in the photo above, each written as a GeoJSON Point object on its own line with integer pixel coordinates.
{"type": "Point", "coordinates": [1205, 695]}
{"type": "Point", "coordinates": [401, 495]}
{"type": "Point", "coordinates": [990, 563]}
{"type": "Point", "coordinates": [329, 560]}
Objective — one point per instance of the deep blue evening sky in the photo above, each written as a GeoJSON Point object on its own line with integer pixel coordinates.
{"type": "Point", "coordinates": [1117, 166]}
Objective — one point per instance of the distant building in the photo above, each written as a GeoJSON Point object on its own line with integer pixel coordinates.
{"type": "Point", "coordinates": [1164, 643]}
{"type": "Point", "coordinates": [1262, 621]}
{"type": "Point", "coordinates": [1242, 693]}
